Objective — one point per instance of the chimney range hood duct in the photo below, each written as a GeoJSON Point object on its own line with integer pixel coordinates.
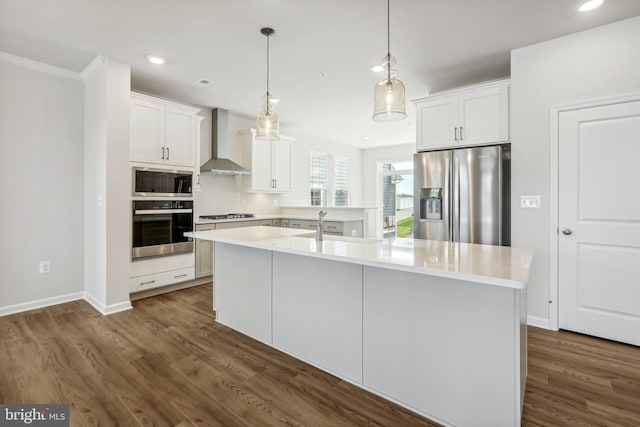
{"type": "Point", "coordinates": [219, 162]}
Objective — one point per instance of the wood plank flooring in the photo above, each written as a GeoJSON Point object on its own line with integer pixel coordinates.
{"type": "Point", "coordinates": [166, 362]}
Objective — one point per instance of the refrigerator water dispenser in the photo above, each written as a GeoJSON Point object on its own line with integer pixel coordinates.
{"type": "Point", "coordinates": [431, 203]}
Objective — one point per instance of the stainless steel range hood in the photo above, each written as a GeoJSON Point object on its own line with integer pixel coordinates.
{"type": "Point", "coordinates": [220, 162]}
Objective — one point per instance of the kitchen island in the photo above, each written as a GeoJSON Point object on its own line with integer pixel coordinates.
{"type": "Point", "coordinates": [437, 327]}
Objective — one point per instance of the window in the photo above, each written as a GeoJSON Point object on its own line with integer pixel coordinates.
{"type": "Point", "coordinates": [341, 172]}
{"type": "Point", "coordinates": [318, 178]}
{"type": "Point", "coordinates": [328, 180]}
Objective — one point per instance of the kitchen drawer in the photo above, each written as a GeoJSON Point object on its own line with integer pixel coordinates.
{"type": "Point", "coordinates": [302, 224]}
{"type": "Point", "coordinates": [205, 227]}
{"type": "Point", "coordinates": [150, 281]}
{"type": "Point", "coordinates": [267, 222]}
{"type": "Point", "coordinates": [333, 227]}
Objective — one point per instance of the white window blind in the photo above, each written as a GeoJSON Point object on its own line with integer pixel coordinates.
{"type": "Point", "coordinates": [341, 182]}
{"type": "Point", "coordinates": [318, 178]}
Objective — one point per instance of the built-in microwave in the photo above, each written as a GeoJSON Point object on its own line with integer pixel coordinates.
{"type": "Point", "coordinates": [161, 182]}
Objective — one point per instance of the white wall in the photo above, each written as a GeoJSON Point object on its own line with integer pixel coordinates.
{"type": "Point", "coordinates": [223, 194]}
{"type": "Point", "coordinates": [41, 182]}
{"type": "Point", "coordinates": [108, 183]}
{"type": "Point", "coordinates": [598, 63]}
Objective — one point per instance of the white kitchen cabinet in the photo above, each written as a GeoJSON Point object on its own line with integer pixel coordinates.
{"type": "Point", "coordinates": [469, 116]}
{"type": "Point", "coordinates": [163, 132]}
{"type": "Point", "coordinates": [156, 272]}
{"type": "Point", "coordinates": [270, 163]}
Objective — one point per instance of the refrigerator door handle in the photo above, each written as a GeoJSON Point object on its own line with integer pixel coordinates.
{"type": "Point", "coordinates": [455, 212]}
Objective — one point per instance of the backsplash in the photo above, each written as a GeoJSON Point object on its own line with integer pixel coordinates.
{"type": "Point", "coordinates": [222, 194]}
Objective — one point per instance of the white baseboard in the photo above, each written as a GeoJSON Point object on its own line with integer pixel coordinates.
{"type": "Point", "coordinates": [107, 309]}
{"type": "Point", "coordinates": [539, 322]}
{"type": "Point", "coordinates": [46, 302]}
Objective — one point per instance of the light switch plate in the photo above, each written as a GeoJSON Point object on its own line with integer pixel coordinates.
{"type": "Point", "coordinates": [532, 201]}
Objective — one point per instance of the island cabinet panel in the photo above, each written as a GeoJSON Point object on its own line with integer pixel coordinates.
{"type": "Point", "coordinates": [317, 312]}
{"type": "Point", "coordinates": [242, 291]}
{"type": "Point", "coordinates": [446, 338]}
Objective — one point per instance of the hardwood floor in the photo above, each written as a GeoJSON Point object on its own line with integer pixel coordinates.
{"type": "Point", "coordinates": [576, 379]}
{"type": "Point", "coordinates": [168, 363]}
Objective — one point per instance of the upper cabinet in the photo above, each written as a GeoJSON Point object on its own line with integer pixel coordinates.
{"type": "Point", "coordinates": [270, 163]}
{"type": "Point", "coordinates": [473, 115]}
{"type": "Point", "coordinates": [163, 132]}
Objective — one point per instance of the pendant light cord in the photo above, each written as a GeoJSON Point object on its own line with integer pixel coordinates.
{"type": "Point", "coordinates": [388, 42]}
{"type": "Point", "coordinates": [268, 73]}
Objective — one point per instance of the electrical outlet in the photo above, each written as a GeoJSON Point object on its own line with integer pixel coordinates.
{"type": "Point", "coordinates": [353, 233]}
{"type": "Point", "coordinates": [275, 202]}
{"type": "Point", "coordinates": [45, 267]}
{"type": "Point", "coordinates": [530, 201]}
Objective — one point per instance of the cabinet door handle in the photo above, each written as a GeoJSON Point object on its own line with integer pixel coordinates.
{"type": "Point", "coordinates": [455, 134]}
{"type": "Point", "coordinates": [147, 283]}
{"type": "Point", "coordinates": [180, 275]}
{"type": "Point", "coordinates": [162, 153]}
{"type": "Point", "coordinates": [460, 133]}
{"type": "Point", "coordinates": [167, 153]}
{"type": "Point", "coordinates": [198, 179]}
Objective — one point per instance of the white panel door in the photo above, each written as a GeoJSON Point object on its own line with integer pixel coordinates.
{"type": "Point", "coordinates": [484, 116]}
{"type": "Point", "coordinates": [178, 138]}
{"type": "Point", "coordinates": [437, 123]}
{"type": "Point", "coordinates": [281, 164]}
{"type": "Point", "coordinates": [599, 221]}
{"type": "Point", "coordinates": [147, 131]}
{"type": "Point", "coordinates": [261, 176]}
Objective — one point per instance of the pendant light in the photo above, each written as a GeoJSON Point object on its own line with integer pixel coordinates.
{"type": "Point", "coordinates": [388, 95]}
{"type": "Point", "coordinates": [267, 126]}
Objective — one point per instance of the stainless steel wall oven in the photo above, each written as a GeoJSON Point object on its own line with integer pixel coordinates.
{"type": "Point", "coordinates": [159, 227]}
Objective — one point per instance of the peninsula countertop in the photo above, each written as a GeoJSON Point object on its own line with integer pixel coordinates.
{"type": "Point", "coordinates": [492, 265]}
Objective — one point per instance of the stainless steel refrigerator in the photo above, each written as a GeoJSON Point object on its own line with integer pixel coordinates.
{"type": "Point", "coordinates": [462, 195]}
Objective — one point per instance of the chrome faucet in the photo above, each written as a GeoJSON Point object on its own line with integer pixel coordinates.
{"type": "Point", "coordinates": [321, 216]}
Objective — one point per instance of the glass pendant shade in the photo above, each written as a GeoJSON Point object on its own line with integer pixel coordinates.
{"type": "Point", "coordinates": [267, 125]}
{"type": "Point", "coordinates": [388, 95]}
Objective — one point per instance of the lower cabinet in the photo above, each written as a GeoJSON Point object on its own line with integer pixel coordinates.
{"type": "Point", "coordinates": [336, 228]}
{"type": "Point", "coordinates": [155, 272]}
{"type": "Point", "coordinates": [150, 281]}
{"type": "Point", "coordinates": [204, 248]}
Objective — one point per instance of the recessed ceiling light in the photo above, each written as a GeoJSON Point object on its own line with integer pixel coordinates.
{"type": "Point", "coordinates": [157, 60]}
{"type": "Point", "coordinates": [322, 75]}
{"type": "Point", "coordinates": [366, 138]}
{"type": "Point", "coordinates": [588, 5]}
{"type": "Point", "coordinates": [376, 68]}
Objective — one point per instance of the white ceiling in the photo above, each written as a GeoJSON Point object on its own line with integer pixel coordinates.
{"type": "Point", "coordinates": [438, 44]}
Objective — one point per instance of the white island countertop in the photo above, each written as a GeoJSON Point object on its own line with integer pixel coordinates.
{"type": "Point", "coordinates": [492, 265]}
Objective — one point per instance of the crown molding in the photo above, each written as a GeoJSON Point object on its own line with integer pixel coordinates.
{"type": "Point", "coordinates": [97, 61]}
{"type": "Point", "coordinates": [40, 66]}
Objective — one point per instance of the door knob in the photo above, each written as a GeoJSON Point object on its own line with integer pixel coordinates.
{"type": "Point", "coordinates": [566, 231]}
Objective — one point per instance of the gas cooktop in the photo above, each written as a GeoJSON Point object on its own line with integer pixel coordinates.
{"type": "Point", "coordinates": [228, 216]}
